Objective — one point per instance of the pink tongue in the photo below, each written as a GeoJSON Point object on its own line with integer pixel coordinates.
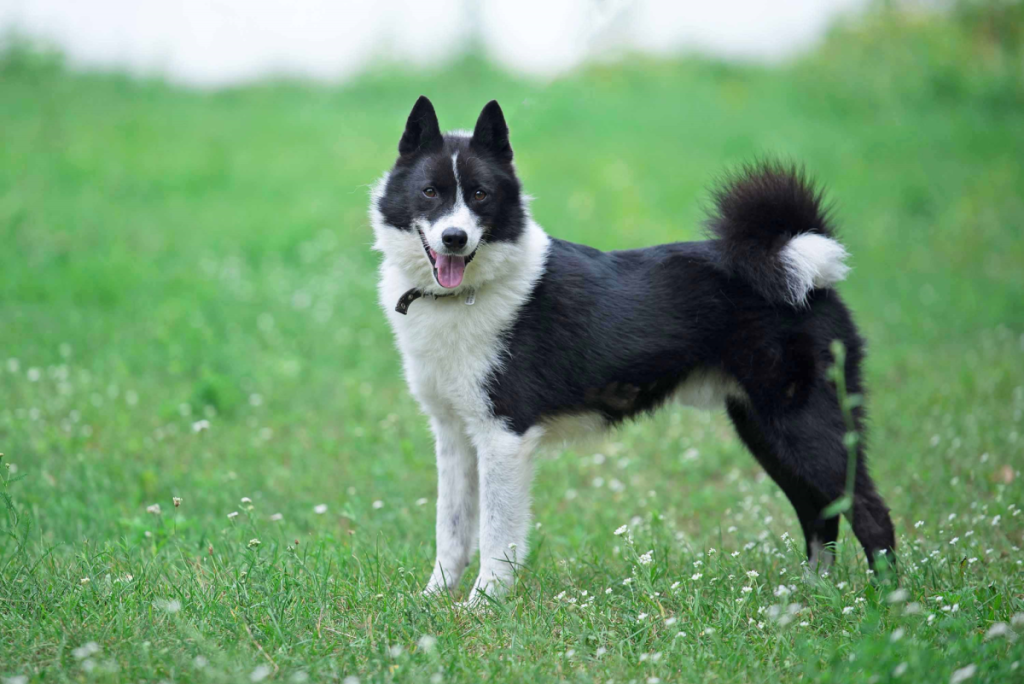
{"type": "Point", "coordinates": [450, 269]}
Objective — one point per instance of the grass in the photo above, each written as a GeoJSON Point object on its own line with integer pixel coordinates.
{"type": "Point", "coordinates": [174, 256]}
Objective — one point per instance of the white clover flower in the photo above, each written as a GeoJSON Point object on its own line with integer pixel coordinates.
{"type": "Point", "coordinates": [641, 617]}
{"type": "Point", "coordinates": [232, 515]}
{"type": "Point", "coordinates": [753, 574]}
{"type": "Point", "coordinates": [253, 543]}
{"type": "Point", "coordinates": [170, 606]}
{"type": "Point", "coordinates": [627, 581]}
{"type": "Point", "coordinates": [647, 558]}
{"type": "Point", "coordinates": [154, 509]}
{"type": "Point", "coordinates": [670, 621]}
{"type": "Point", "coordinates": [378, 504]}
{"type": "Point", "coordinates": [919, 524]}
{"type": "Point", "coordinates": [84, 580]}
{"type": "Point", "coordinates": [847, 610]}
{"type": "Point", "coordinates": [747, 590]}
{"type": "Point", "coordinates": [999, 629]}
{"type": "Point", "coordinates": [995, 520]}
{"type": "Point", "coordinates": [963, 674]}
{"type": "Point", "coordinates": [621, 530]}
{"type": "Point", "coordinates": [675, 585]}
{"type": "Point", "coordinates": [954, 540]}
{"type": "Point", "coordinates": [734, 554]}
{"type": "Point", "coordinates": [320, 509]}
{"type": "Point", "coordinates": [246, 500]}
{"type": "Point", "coordinates": [608, 590]}
{"type": "Point", "coordinates": [200, 425]}
{"type": "Point", "coordinates": [841, 585]}
{"type": "Point", "coordinates": [86, 650]}
{"type": "Point", "coordinates": [696, 576]}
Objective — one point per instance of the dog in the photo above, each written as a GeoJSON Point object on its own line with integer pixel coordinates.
{"type": "Point", "coordinates": [510, 338]}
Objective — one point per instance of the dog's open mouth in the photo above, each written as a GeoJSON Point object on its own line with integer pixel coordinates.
{"type": "Point", "coordinates": [449, 269]}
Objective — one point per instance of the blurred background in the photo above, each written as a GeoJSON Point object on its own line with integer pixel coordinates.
{"type": "Point", "coordinates": [188, 295]}
{"type": "Point", "coordinates": [183, 197]}
{"type": "Point", "coordinates": [223, 42]}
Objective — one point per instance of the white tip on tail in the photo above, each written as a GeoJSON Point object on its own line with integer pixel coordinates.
{"type": "Point", "coordinates": [811, 261]}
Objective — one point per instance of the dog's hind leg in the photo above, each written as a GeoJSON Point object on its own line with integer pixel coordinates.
{"type": "Point", "coordinates": [819, 532]}
{"type": "Point", "coordinates": [807, 444]}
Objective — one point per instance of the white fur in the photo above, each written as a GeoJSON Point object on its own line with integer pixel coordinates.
{"type": "Point", "coordinates": [448, 351]}
{"type": "Point", "coordinates": [811, 261]}
{"type": "Point", "coordinates": [707, 390]}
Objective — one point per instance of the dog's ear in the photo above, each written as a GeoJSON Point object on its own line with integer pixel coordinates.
{"type": "Point", "coordinates": [490, 136]}
{"type": "Point", "coordinates": [421, 129]}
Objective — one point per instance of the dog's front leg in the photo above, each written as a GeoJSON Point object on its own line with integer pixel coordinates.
{"type": "Point", "coordinates": [457, 504]}
{"type": "Point", "coordinates": [506, 468]}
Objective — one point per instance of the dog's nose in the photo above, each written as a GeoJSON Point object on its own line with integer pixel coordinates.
{"type": "Point", "coordinates": [454, 238]}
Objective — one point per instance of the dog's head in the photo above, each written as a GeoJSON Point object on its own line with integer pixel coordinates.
{"type": "Point", "coordinates": [449, 200]}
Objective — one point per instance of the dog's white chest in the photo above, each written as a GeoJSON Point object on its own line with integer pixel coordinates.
{"type": "Point", "coordinates": [449, 348]}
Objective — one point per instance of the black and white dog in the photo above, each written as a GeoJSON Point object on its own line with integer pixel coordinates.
{"type": "Point", "coordinates": [510, 338]}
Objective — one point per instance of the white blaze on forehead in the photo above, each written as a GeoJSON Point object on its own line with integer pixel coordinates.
{"type": "Point", "coordinates": [459, 217]}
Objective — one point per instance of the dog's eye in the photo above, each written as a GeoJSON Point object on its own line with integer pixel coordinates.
{"type": "Point", "coordinates": [430, 191]}
{"type": "Point", "coordinates": [479, 195]}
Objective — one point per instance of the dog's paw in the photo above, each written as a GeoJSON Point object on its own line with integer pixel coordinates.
{"type": "Point", "coordinates": [436, 587]}
{"type": "Point", "coordinates": [486, 590]}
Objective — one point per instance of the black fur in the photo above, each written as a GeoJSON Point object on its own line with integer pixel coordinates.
{"type": "Point", "coordinates": [484, 162]}
{"type": "Point", "coordinates": [757, 212]}
{"type": "Point", "coordinates": [616, 333]}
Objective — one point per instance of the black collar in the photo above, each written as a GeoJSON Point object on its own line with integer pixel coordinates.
{"type": "Point", "coordinates": [411, 296]}
{"type": "Point", "coordinates": [415, 293]}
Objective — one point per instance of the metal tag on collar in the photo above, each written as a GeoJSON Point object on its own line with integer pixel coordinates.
{"type": "Point", "coordinates": [470, 297]}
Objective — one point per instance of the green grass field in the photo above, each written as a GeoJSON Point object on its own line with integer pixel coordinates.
{"type": "Point", "coordinates": [170, 256]}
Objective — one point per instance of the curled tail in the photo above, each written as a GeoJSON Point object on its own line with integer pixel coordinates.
{"type": "Point", "coordinates": [775, 233]}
